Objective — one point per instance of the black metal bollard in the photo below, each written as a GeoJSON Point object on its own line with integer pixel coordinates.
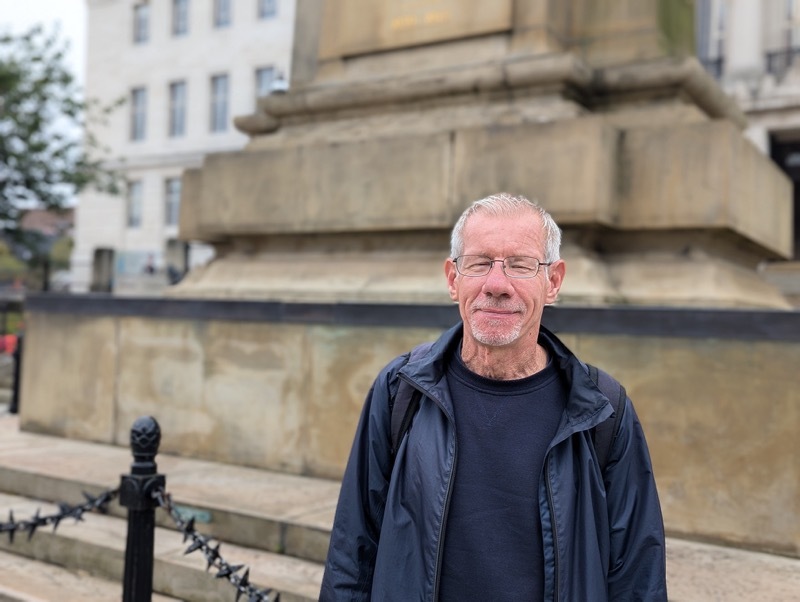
{"type": "Point", "coordinates": [14, 406]}
{"type": "Point", "coordinates": [136, 494]}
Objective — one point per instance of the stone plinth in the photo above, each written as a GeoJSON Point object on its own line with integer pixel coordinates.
{"type": "Point", "coordinates": [416, 108]}
{"type": "Point", "coordinates": [280, 386]}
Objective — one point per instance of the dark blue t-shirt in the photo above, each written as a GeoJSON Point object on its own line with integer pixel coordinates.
{"type": "Point", "coordinates": [493, 534]}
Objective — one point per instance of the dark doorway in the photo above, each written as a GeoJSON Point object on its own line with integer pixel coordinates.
{"type": "Point", "coordinates": [102, 271]}
{"type": "Point", "coordinates": [785, 151]}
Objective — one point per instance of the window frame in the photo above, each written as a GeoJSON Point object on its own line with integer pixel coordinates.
{"type": "Point", "coordinates": [172, 201]}
{"type": "Point", "coordinates": [138, 125]}
{"type": "Point", "coordinates": [134, 205]}
{"type": "Point", "coordinates": [267, 9]}
{"type": "Point", "coordinates": [219, 97]}
{"type": "Point", "coordinates": [259, 86]}
{"type": "Point", "coordinates": [223, 13]}
{"type": "Point", "coordinates": [180, 17]}
{"type": "Point", "coordinates": [178, 93]}
{"type": "Point", "coordinates": [141, 23]}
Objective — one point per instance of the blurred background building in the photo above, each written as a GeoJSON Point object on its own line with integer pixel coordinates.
{"type": "Point", "coordinates": [186, 68]}
{"type": "Point", "coordinates": [183, 69]}
{"type": "Point", "coordinates": [752, 47]}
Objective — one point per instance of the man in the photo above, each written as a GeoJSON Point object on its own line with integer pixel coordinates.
{"type": "Point", "coordinates": [495, 492]}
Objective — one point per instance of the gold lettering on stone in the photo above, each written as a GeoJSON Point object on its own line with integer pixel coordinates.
{"type": "Point", "coordinates": [437, 17]}
{"type": "Point", "coordinates": [404, 22]}
{"type": "Point", "coordinates": [411, 14]}
{"type": "Point", "coordinates": [352, 27]}
{"type": "Point", "coordinates": [410, 21]}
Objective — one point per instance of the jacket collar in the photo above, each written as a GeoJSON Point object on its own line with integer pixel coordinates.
{"type": "Point", "coordinates": [586, 407]}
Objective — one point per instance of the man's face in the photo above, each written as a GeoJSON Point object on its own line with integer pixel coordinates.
{"type": "Point", "coordinates": [499, 311]}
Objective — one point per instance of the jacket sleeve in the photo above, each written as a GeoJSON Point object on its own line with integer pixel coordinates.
{"type": "Point", "coordinates": [637, 568]}
{"type": "Point", "coordinates": [359, 513]}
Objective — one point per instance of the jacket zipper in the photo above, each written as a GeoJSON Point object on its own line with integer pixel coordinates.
{"type": "Point", "coordinates": [555, 530]}
{"type": "Point", "coordinates": [440, 538]}
{"type": "Point", "coordinates": [439, 545]}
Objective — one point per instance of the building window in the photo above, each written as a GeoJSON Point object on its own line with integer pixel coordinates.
{"type": "Point", "coordinates": [222, 13]}
{"type": "Point", "coordinates": [219, 103]}
{"type": "Point", "coordinates": [134, 204]}
{"type": "Point", "coordinates": [782, 37]}
{"type": "Point", "coordinates": [138, 113]}
{"type": "Point", "coordinates": [141, 23]}
{"type": "Point", "coordinates": [177, 109]}
{"type": "Point", "coordinates": [180, 17]}
{"type": "Point", "coordinates": [264, 78]}
{"type": "Point", "coordinates": [710, 21]}
{"type": "Point", "coordinates": [791, 27]}
{"type": "Point", "coordinates": [267, 9]}
{"type": "Point", "coordinates": [172, 201]}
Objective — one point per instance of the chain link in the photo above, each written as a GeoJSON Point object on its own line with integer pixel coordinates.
{"type": "Point", "coordinates": [92, 504]}
{"type": "Point", "coordinates": [200, 542]}
{"type": "Point", "coordinates": [213, 556]}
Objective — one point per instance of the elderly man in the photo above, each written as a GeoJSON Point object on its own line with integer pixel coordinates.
{"type": "Point", "coordinates": [498, 490]}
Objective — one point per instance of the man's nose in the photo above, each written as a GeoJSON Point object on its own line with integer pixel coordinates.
{"type": "Point", "coordinates": [496, 282]}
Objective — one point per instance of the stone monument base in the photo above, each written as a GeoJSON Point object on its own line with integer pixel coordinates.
{"type": "Point", "coordinates": [348, 189]}
{"type": "Point", "coordinates": [281, 387]}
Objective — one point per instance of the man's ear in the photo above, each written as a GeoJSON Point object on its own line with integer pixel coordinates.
{"type": "Point", "coordinates": [451, 273]}
{"type": "Point", "coordinates": [555, 278]}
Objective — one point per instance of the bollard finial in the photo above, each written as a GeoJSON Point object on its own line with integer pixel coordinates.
{"type": "Point", "coordinates": [145, 438]}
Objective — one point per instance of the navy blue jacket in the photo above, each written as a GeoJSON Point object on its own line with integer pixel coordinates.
{"type": "Point", "coordinates": [603, 534]}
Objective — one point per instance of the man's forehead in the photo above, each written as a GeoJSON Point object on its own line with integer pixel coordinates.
{"type": "Point", "coordinates": [519, 233]}
{"type": "Point", "coordinates": [482, 222]}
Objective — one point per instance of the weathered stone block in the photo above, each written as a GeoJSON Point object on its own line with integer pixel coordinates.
{"type": "Point", "coordinates": [608, 32]}
{"type": "Point", "coordinates": [415, 277]}
{"type": "Point", "coordinates": [70, 370]}
{"type": "Point", "coordinates": [704, 176]}
{"type": "Point", "coordinates": [230, 392]}
{"type": "Point", "coordinates": [721, 427]}
{"type": "Point", "coordinates": [569, 165]}
{"type": "Point", "coordinates": [346, 362]}
{"type": "Point", "coordinates": [370, 185]}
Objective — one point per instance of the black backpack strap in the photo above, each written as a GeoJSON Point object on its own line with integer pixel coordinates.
{"type": "Point", "coordinates": [606, 432]}
{"type": "Point", "coordinates": [406, 402]}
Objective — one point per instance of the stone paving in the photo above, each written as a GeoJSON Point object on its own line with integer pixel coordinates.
{"type": "Point", "coordinates": [697, 572]}
{"type": "Point", "coordinates": [25, 580]}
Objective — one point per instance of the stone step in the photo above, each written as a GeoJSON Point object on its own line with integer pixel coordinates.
{"type": "Point", "coordinates": [26, 580]}
{"type": "Point", "coordinates": [276, 524]}
{"type": "Point", "coordinates": [275, 512]}
{"type": "Point", "coordinates": [96, 545]}
{"type": "Point", "coordinates": [257, 515]}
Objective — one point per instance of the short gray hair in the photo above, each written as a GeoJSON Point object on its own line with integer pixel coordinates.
{"type": "Point", "coordinates": [504, 204]}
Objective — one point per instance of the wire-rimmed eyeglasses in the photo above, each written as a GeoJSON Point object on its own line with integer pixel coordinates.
{"type": "Point", "coordinates": [516, 266]}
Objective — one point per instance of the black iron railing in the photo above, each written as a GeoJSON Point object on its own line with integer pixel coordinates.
{"type": "Point", "coordinates": [778, 62]}
{"type": "Point", "coordinates": [142, 492]}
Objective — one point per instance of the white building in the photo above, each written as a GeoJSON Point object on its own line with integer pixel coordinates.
{"type": "Point", "coordinates": [753, 48]}
{"type": "Point", "coordinates": [185, 69]}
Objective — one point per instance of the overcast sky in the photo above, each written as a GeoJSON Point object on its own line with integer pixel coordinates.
{"type": "Point", "coordinates": [70, 15]}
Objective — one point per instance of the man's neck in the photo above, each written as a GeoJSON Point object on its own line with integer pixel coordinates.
{"type": "Point", "coordinates": [509, 362]}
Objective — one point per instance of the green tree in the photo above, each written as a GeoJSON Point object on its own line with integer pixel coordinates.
{"type": "Point", "coordinates": [47, 153]}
